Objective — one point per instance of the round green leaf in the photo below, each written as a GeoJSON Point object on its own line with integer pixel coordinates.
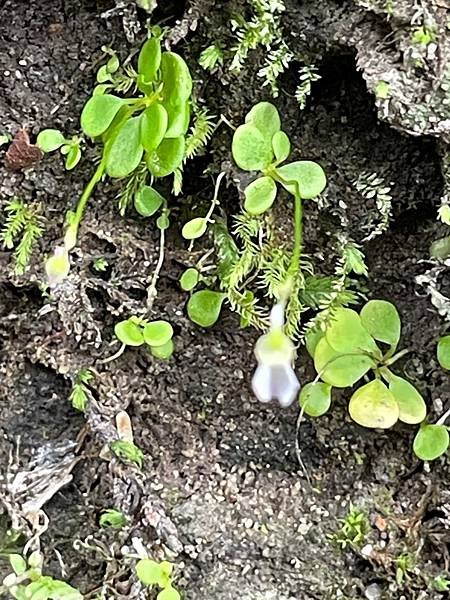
{"type": "Point", "coordinates": [113, 64]}
{"type": "Point", "coordinates": [411, 405]}
{"type": "Point", "coordinates": [281, 146]}
{"type": "Point", "coordinates": [73, 157]}
{"type": "Point", "coordinates": [179, 115]}
{"type": "Point", "coordinates": [307, 174]}
{"type": "Point", "coordinates": [189, 279]}
{"type": "Point", "coordinates": [176, 77]}
{"type": "Point", "coordinates": [382, 321]}
{"type": "Point", "coordinates": [157, 333]}
{"type": "Point", "coordinates": [154, 121]}
{"type": "Point", "coordinates": [374, 406]}
{"type": "Point", "coordinates": [151, 573]}
{"type": "Point", "coordinates": [168, 593]}
{"type": "Point", "coordinates": [98, 114]}
{"type": "Point", "coordinates": [194, 229]}
{"type": "Point", "coordinates": [204, 307]}
{"type": "Point", "coordinates": [103, 74]}
{"type": "Point", "coordinates": [167, 157]}
{"type": "Point", "coordinates": [252, 151]}
{"type": "Point", "coordinates": [163, 352]}
{"type": "Point", "coordinates": [49, 140]}
{"type": "Point", "coordinates": [443, 352]}
{"type": "Point", "coordinates": [315, 398]}
{"type": "Point", "coordinates": [124, 151]}
{"type": "Point", "coordinates": [346, 333]}
{"type": "Point", "coordinates": [312, 338]}
{"type": "Point", "coordinates": [260, 195]}
{"type": "Point", "coordinates": [149, 59]}
{"type": "Point", "coordinates": [264, 116]}
{"type": "Point", "coordinates": [337, 369]}
{"type": "Point", "coordinates": [431, 441]}
{"type": "Point", "coordinates": [129, 332]}
{"type": "Point", "coordinates": [147, 201]}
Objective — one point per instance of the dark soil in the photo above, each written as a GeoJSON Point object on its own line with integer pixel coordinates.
{"type": "Point", "coordinates": [236, 511]}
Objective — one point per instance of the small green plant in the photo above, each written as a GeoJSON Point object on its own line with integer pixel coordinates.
{"type": "Point", "coordinates": [22, 230]}
{"type": "Point", "coordinates": [100, 264]}
{"type": "Point", "coordinates": [211, 57]}
{"type": "Point", "coordinates": [353, 531]}
{"type": "Point", "coordinates": [404, 564]}
{"type": "Point", "coordinates": [441, 583]}
{"type": "Point", "coordinates": [113, 518]}
{"type": "Point", "coordinates": [423, 36]}
{"type": "Point", "coordinates": [152, 574]}
{"type": "Point", "coordinates": [128, 452]}
{"type": "Point", "coordinates": [27, 582]}
{"type": "Point", "coordinates": [260, 145]}
{"type": "Point", "coordinates": [156, 335]}
{"type": "Point", "coordinates": [142, 138]}
{"type": "Point", "coordinates": [50, 140]}
{"type": "Point", "coordinates": [346, 351]}
{"type": "Point", "coordinates": [79, 394]}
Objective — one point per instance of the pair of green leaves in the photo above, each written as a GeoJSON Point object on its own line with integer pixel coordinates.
{"type": "Point", "coordinates": [150, 128]}
{"type": "Point", "coordinates": [152, 573]}
{"type": "Point", "coordinates": [260, 145]}
{"type": "Point", "coordinates": [49, 140]}
{"type": "Point", "coordinates": [157, 335]}
{"type": "Point", "coordinates": [346, 351]}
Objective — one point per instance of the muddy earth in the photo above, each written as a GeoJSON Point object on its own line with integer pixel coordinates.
{"type": "Point", "coordinates": [222, 493]}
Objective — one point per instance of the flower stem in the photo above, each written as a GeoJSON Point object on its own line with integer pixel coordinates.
{"type": "Point", "coordinates": [298, 236]}
{"type": "Point", "coordinates": [72, 231]}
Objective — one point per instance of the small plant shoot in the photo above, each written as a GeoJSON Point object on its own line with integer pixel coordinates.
{"type": "Point", "coordinates": [141, 138]}
{"type": "Point", "coordinates": [156, 335]}
{"type": "Point", "coordinates": [352, 346]}
{"type": "Point", "coordinates": [159, 575]}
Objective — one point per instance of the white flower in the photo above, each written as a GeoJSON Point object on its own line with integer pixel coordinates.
{"type": "Point", "coordinates": [274, 378]}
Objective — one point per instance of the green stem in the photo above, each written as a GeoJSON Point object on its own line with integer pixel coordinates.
{"type": "Point", "coordinates": [298, 236]}
{"type": "Point", "coordinates": [78, 215]}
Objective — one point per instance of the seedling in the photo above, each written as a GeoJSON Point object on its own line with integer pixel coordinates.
{"type": "Point", "coordinates": [355, 345]}
{"type": "Point", "coordinates": [113, 518]}
{"type": "Point", "coordinates": [441, 583]}
{"type": "Point", "coordinates": [350, 348]}
{"type": "Point", "coordinates": [128, 452]}
{"type": "Point", "coordinates": [404, 566]}
{"type": "Point", "coordinates": [151, 574]}
{"type": "Point", "coordinates": [260, 145]}
{"type": "Point", "coordinates": [354, 529]}
{"type": "Point", "coordinates": [156, 335]}
{"type": "Point", "coordinates": [50, 140]}
{"type": "Point", "coordinates": [79, 394]}
{"type": "Point", "coordinates": [27, 582]}
{"type": "Point", "coordinates": [141, 138]}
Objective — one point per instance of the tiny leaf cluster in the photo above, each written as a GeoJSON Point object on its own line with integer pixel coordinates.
{"type": "Point", "coordinates": [152, 574]}
{"type": "Point", "coordinates": [156, 335]}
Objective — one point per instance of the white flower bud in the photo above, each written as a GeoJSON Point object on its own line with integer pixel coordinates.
{"type": "Point", "coordinates": [57, 266]}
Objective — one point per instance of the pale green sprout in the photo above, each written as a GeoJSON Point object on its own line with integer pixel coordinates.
{"type": "Point", "coordinates": [151, 573]}
{"type": "Point", "coordinates": [444, 213]}
{"type": "Point", "coordinates": [57, 267]}
{"type": "Point", "coordinates": [112, 518]}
